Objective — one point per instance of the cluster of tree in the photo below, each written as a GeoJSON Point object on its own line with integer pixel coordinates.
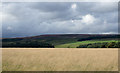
{"type": "Point", "coordinates": [11, 40]}
{"type": "Point", "coordinates": [101, 45]}
{"type": "Point", "coordinates": [27, 44]}
{"type": "Point", "coordinates": [99, 37]}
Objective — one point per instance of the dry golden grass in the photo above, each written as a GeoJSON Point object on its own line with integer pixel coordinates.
{"type": "Point", "coordinates": [60, 59]}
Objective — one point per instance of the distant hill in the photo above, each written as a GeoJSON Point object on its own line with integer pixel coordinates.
{"type": "Point", "coordinates": [45, 41]}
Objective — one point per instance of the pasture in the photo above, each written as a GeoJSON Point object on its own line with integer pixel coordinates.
{"type": "Point", "coordinates": [76, 44]}
{"type": "Point", "coordinates": [59, 59]}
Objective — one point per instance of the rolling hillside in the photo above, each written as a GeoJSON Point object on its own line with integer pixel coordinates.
{"type": "Point", "coordinates": [59, 40]}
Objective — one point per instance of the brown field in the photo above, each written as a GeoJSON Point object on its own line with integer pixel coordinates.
{"type": "Point", "coordinates": [59, 59]}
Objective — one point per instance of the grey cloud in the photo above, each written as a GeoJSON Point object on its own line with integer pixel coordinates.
{"type": "Point", "coordinates": [29, 19]}
{"type": "Point", "coordinates": [51, 7]}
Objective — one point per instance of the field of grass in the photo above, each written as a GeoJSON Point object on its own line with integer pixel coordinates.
{"type": "Point", "coordinates": [64, 59]}
{"type": "Point", "coordinates": [76, 44]}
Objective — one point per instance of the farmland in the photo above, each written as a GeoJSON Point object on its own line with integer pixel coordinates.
{"type": "Point", "coordinates": [74, 45]}
{"type": "Point", "coordinates": [50, 59]}
{"type": "Point", "coordinates": [60, 53]}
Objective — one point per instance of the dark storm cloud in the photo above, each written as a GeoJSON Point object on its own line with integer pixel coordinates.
{"type": "Point", "coordinates": [51, 7]}
{"type": "Point", "coordinates": [28, 19]}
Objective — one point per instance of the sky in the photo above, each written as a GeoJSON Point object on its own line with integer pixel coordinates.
{"type": "Point", "coordinates": [21, 19]}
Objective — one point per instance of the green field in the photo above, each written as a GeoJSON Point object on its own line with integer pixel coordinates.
{"type": "Point", "coordinates": [76, 44]}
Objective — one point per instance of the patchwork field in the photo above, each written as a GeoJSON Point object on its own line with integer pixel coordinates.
{"type": "Point", "coordinates": [64, 59]}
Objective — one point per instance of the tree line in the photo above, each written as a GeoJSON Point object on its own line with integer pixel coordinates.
{"type": "Point", "coordinates": [100, 37]}
{"type": "Point", "coordinates": [101, 45]}
{"type": "Point", "coordinates": [27, 44]}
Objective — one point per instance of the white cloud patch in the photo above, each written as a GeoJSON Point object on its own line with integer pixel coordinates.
{"type": "Point", "coordinates": [73, 6]}
{"type": "Point", "coordinates": [8, 18]}
{"type": "Point", "coordinates": [9, 28]}
{"type": "Point", "coordinates": [88, 19]}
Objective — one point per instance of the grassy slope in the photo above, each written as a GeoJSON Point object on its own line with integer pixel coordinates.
{"type": "Point", "coordinates": [74, 45]}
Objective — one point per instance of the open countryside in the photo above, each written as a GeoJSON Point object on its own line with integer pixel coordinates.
{"type": "Point", "coordinates": [56, 59]}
